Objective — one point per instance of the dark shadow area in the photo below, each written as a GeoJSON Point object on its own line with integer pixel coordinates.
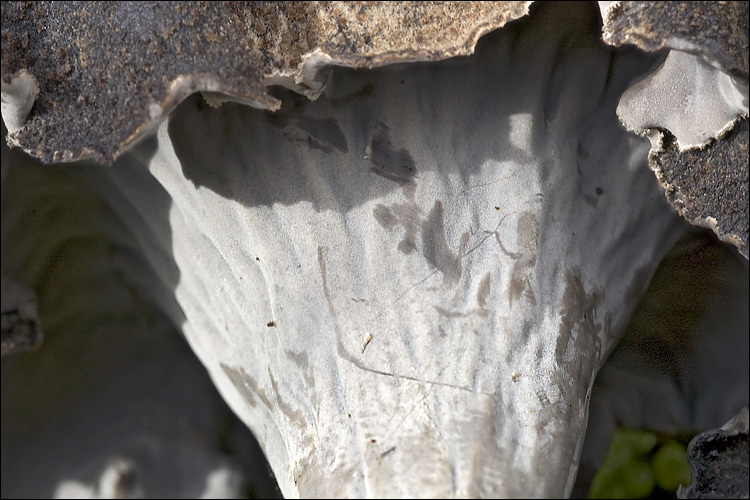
{"type": "Point", "coordinates": [681, 366]}
{"type": "Point", "coordinates": [113, 376]}
{"type": "Point", "coordinates": [374, 130]}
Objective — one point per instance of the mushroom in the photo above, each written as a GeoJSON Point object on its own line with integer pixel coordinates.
{"type": "Point", "coordinates": [404, 287]}
{"type": "Point", "coordinates": [697, 104]}
{"type": "Point", "coordinates": [681, 365]}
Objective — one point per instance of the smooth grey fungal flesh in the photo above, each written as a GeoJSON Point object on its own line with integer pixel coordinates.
{"type": "Point", "coordinates": [404, 288]}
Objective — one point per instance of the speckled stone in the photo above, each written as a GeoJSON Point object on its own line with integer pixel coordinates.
{"type": "Point", "coordinates": [719, 462]}
{"type": "Point", "coordinates": [709, 187]}
{"type": "Point", "coordinates": [102, 66]}
{"type": "Point", "coordinates": [717, 31]}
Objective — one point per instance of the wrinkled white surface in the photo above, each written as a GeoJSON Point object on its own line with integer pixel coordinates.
{"type": "Point", "coordinates": [687, 96]}
{"type": "Point", "coordinates": [113, 404]}
{"type": "Point", "coordinates": [18, 96]}
{"type": "Point", "coordinates": [681, 366]}
{"type": "Point", "coordinates": [491, 281]}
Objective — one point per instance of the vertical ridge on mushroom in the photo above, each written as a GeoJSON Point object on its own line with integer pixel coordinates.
{"type": "Point", "coordinates": [404, 287]}
{"type": "Point", "coordinates": [372, 211]}
{"type": "Point", "coordinates": [112, 403]}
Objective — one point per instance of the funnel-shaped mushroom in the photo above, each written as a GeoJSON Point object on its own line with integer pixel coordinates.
{"type": "Point", "coordinates": [406, 287]}
{"type": "Point", "coordinates": [412, 281]}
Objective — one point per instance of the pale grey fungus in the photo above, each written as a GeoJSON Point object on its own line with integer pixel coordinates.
{"type": "Point", "coordinates": [697, 104]}
{"type": "Point", "coordinates": [18, 96]}
{"type": "Point", "coordinates": [403, 278]}
{"type": "Point", "coordinates": [693, 100]}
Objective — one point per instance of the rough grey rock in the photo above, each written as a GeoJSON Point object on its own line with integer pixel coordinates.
{"type": "Point", "coordinates": [705, 170]}
{"type": "Point", "coordinates": [719, 461]}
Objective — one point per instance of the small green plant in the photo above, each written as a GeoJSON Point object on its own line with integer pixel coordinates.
{"type": "Point", "coordinates": [637, 462]}
{"type": "Point", "coordinates": [671, 466]}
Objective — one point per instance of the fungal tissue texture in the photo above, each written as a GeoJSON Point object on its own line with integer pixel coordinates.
{"type": "Point", "coordinates": [455, 212]}
{"type": "Point", "coordinates": [406, 286]}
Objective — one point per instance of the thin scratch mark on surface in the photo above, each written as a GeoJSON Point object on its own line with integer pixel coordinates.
{"type": "Point", "coordinates": [488, 233]}
{"type": "Point", "coordinates": [512, 255]}
{"type": "Point", "coordinates": [415, 285]}
{"type": "Point", "coordinates": [403, 419]}
{"type": "Point", "coordinates": [462, 256]}
{"type": "Point", "coordinates": [484, 184]}
{"type": "Point", "coordinates": [345, 355]}
{"type": "Point", "coordinates": [418, 402]}
{"type": "Point", "coordinates": [496, 232]}
{"type": "Point", "coordinates": [341, 350]}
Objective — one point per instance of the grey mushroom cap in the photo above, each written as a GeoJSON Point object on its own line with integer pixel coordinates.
{"type": "Point", "coordinates": [696, 106]}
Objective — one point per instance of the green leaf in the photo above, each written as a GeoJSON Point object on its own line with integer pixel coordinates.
{"type": "Point", "coordinates": [671, 466]}
{"type": "Point", "coordinates": [625, 472]}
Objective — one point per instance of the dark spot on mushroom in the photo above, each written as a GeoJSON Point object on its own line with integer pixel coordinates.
{"type": "Point", "coordinates": [250, 389]}
{"type": "Point", "coordinates": [578, 331]}
{"type": "Point", "coordinates": [449, 314]}
{"type": "Point", "coordinates": [324, 134]}
{"type": "Point", "coordinates": [397, 166]}
{"type": "Point", "coordinates": [400, 214]}
{"type": "Point", "coordinates": [483, 291]}
{"type": "Point", "coordinates": [365, 91]}
{"type": "Point", "coordinates": [527, 230]}
{"type": "Point", "coordinates": [435, 246]}
{"type": "Point", "coordinates": [385, 216]}
{"type": "Point", "coordinates": [271, 324]}
{"type": "Point", "coordinates": [599, 191]}
{"type": "Point", "coordinates": [319, 133]}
